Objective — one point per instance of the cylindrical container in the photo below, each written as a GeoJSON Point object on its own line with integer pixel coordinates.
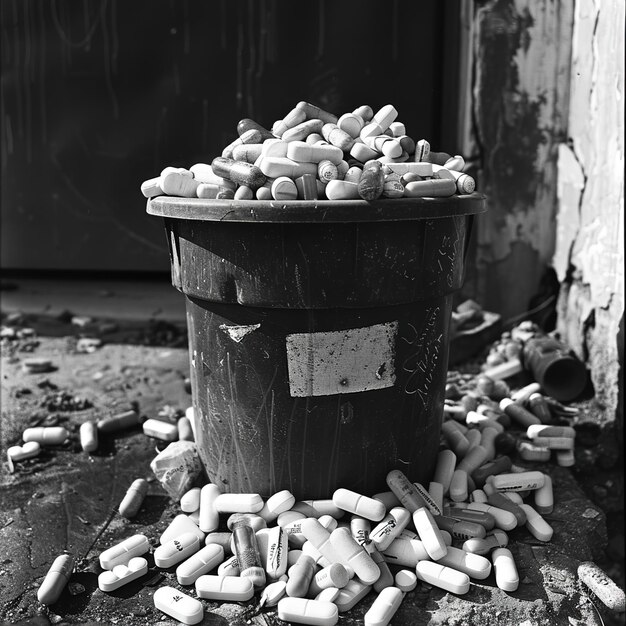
{"type": "Point", "coordinates": [555, 367]}
{"type": "Point", "coordinates": [318, 335]}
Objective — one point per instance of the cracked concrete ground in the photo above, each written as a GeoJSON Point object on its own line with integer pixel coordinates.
{"type": "Point", "coordinates": [66, 499]}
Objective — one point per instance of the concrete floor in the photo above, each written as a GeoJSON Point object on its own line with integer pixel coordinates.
{"type": "Point", "coordinates": [103, 298]}
{"type": "Point", "coordinates": [66, 499]}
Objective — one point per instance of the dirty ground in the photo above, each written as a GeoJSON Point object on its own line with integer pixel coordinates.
{"type": "Point", "coordinates": [65, 499]}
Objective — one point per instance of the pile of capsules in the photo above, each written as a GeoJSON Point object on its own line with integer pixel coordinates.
{"type": "Point", "coordinates": [310, 562]}
{"type": "Point", "coordinates": [312, 154]}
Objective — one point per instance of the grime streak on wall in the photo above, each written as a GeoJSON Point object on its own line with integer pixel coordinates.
{"type": "Point", "coordinates": [519, 111]}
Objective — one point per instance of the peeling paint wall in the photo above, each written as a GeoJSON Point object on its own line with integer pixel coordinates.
{"type": "Point", "coordinates": [589, 251]}
{"type": "Point", "coordinates": [544, 133]}
{"type": "Point", "coordinates": [521, 62]}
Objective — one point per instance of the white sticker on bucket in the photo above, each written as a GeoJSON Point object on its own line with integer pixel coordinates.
{"type": "Point", "coordinates": [342, 361]}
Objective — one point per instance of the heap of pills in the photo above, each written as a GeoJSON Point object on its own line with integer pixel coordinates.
{"type": "Point", "coordinates": [315, 559]}
{"type": "Point", "coordinates": [312, 154]}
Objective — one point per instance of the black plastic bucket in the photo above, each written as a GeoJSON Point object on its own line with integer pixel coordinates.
{"type": "Point", "coordinates": [318, 335]}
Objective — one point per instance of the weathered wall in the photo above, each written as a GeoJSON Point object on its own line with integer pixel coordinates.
{"type": "Point", "coordinates": [589, 251]}
{"type": "Point", "coordinates": [544, 132]}
{"type": "Point", "coordinates": [518, 117]}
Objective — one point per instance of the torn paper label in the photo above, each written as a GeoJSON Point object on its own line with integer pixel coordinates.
{"type": "Point", "coordinates": [237, 333]}
{"type": "Point", "coordinates": [342, 361]}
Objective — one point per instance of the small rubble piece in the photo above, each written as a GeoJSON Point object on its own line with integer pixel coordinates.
{"type": "Point", "coordinates": [64, 401]}
{"type": "Point", "coordinates": [88, 344]}
{"type": "Point", "coordinates": [177, 467]}
{"type": "Point", "coordinates": [602, 586]}
{"type": "Point", "coordinates": [468, 314]}
{"type": "Point", "coordinates": [170, 413]}
{"type": "Point", "coordinates": [81, 320]}
{"type": "Point", "coordinates": [36, 365]}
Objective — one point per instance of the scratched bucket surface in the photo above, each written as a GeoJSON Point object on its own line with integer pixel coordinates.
{"type": "Point", "coordinates": [318, 335]}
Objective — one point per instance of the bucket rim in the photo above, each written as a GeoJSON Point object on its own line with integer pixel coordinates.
{"type": "Point", "coordinates": [315, 211]}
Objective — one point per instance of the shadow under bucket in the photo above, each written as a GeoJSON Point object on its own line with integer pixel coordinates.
{"type": "Point", "coordinates": [318, 335]}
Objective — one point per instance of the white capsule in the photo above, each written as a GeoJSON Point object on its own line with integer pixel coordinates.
{"type": "Point", "coordinates": [209, 517]}
{"type": "Point", "coordinates": [532, 452]}
{"type": "Point", "coordinates": [276, 504]}
{"type": "Point", "coordinates": [27, 451]}
{"type": "Point", "coordinates": [223, 539]}
{"type": "Point", "coordinates": [536, 525]}
{"type": "Point", "coordinates": [505, 570]}
{"type": "Point", "coordinates": [303, 611]}
{"type": "Point", "coordinates": [436, 492]}
{"type": "Point", "coordinates": [429, 533]}
{"type": "Point", "coordinates": [358, 504]}
{"type": "Point", "coordinates": [238, 503]}
{"type": "Point", "coordinates": [158, 429]}
{"type": "Point", "coordinates": [360, 529]}
{"type": "Point", "coordinates": [326, 507]}
{"type": "Point", "coordinates": [273, 593]}
{"type": "Point", "coordinates": [555, 443]}
{"type": "Point", "coordinates": [478, 495]}
{"type": "Point", "coordinates": [200, 563]}
{"type": "Point", "coordinates": [288, 517]}
{"type": "Point", "coordinates": [328, 595]}
{"type": "Point", "coordinates": [89, 436]}
{"type": "Point", "coordinates": [123, 552]}
{"type": "Point", "coordinates": [232, 588]}
{"type": "Point", "coordinates": [351, 553]}
{"type": "Point", "coordinates": [504, 519]}
{"type": "Point", "coordinates": [389, 528]}
{"type": "Point", "coordinates": [133, 499]}
{"type": "Point", "coordinates": [120, 575]}
{"type": "Point", "coordinates": [458, 490]}
{"type": "Point", "coordinates": [179, 525]}
{"type": "Point", "coordinates": [176, 550]}
{"type": "Point", "coordinates": [293, 556]}
{"type": "Point", "coordinates": [472, 564]}
{"type": "Point", "coordinates": [320, 539]}
{"type": "Point", "coordinates": [328, 522]}
{"type": "Point", "coordinates": [443, 577]}
{"type": "Point", "coordinates": [544, 497]}
{"type": "Point", "coordinates": [184, 428]}
{"type": "Point", "coordinates": [316, 555]}
{"type": "Point", "coordinates": [273, 549]}
{"type": "Point", "coordinates": [496, 539]}
{"type": "Point", "coordinates": [405, 552]}
{"type": "Point", "coordinates": [388, 498]}
{"type": "Point", "coordinates": [178, 605]}
{"type": "Point", "coordinates": [518, 481]}
{"type": "Point", "coordinates": [46, 435]}
{"type": "Point", "coordinates": [335, 575]}
{"type": "Point", "coordinates": [543, 430]}
{"type": "Point", "coordinates": [384, 607]}
{"type": "Point", "coordinates": [405, 580]}
{"type": "Point", "coordinates": [190, 500]}
{"type": "Point", "coordinates": [351, 595]}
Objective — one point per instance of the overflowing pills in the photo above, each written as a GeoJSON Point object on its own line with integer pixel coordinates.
{"type": "Point", "coordinates": [309, 149]}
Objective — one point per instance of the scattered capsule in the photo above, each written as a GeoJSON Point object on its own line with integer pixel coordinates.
{"type": "Point", "coordinates": [132, 501]}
